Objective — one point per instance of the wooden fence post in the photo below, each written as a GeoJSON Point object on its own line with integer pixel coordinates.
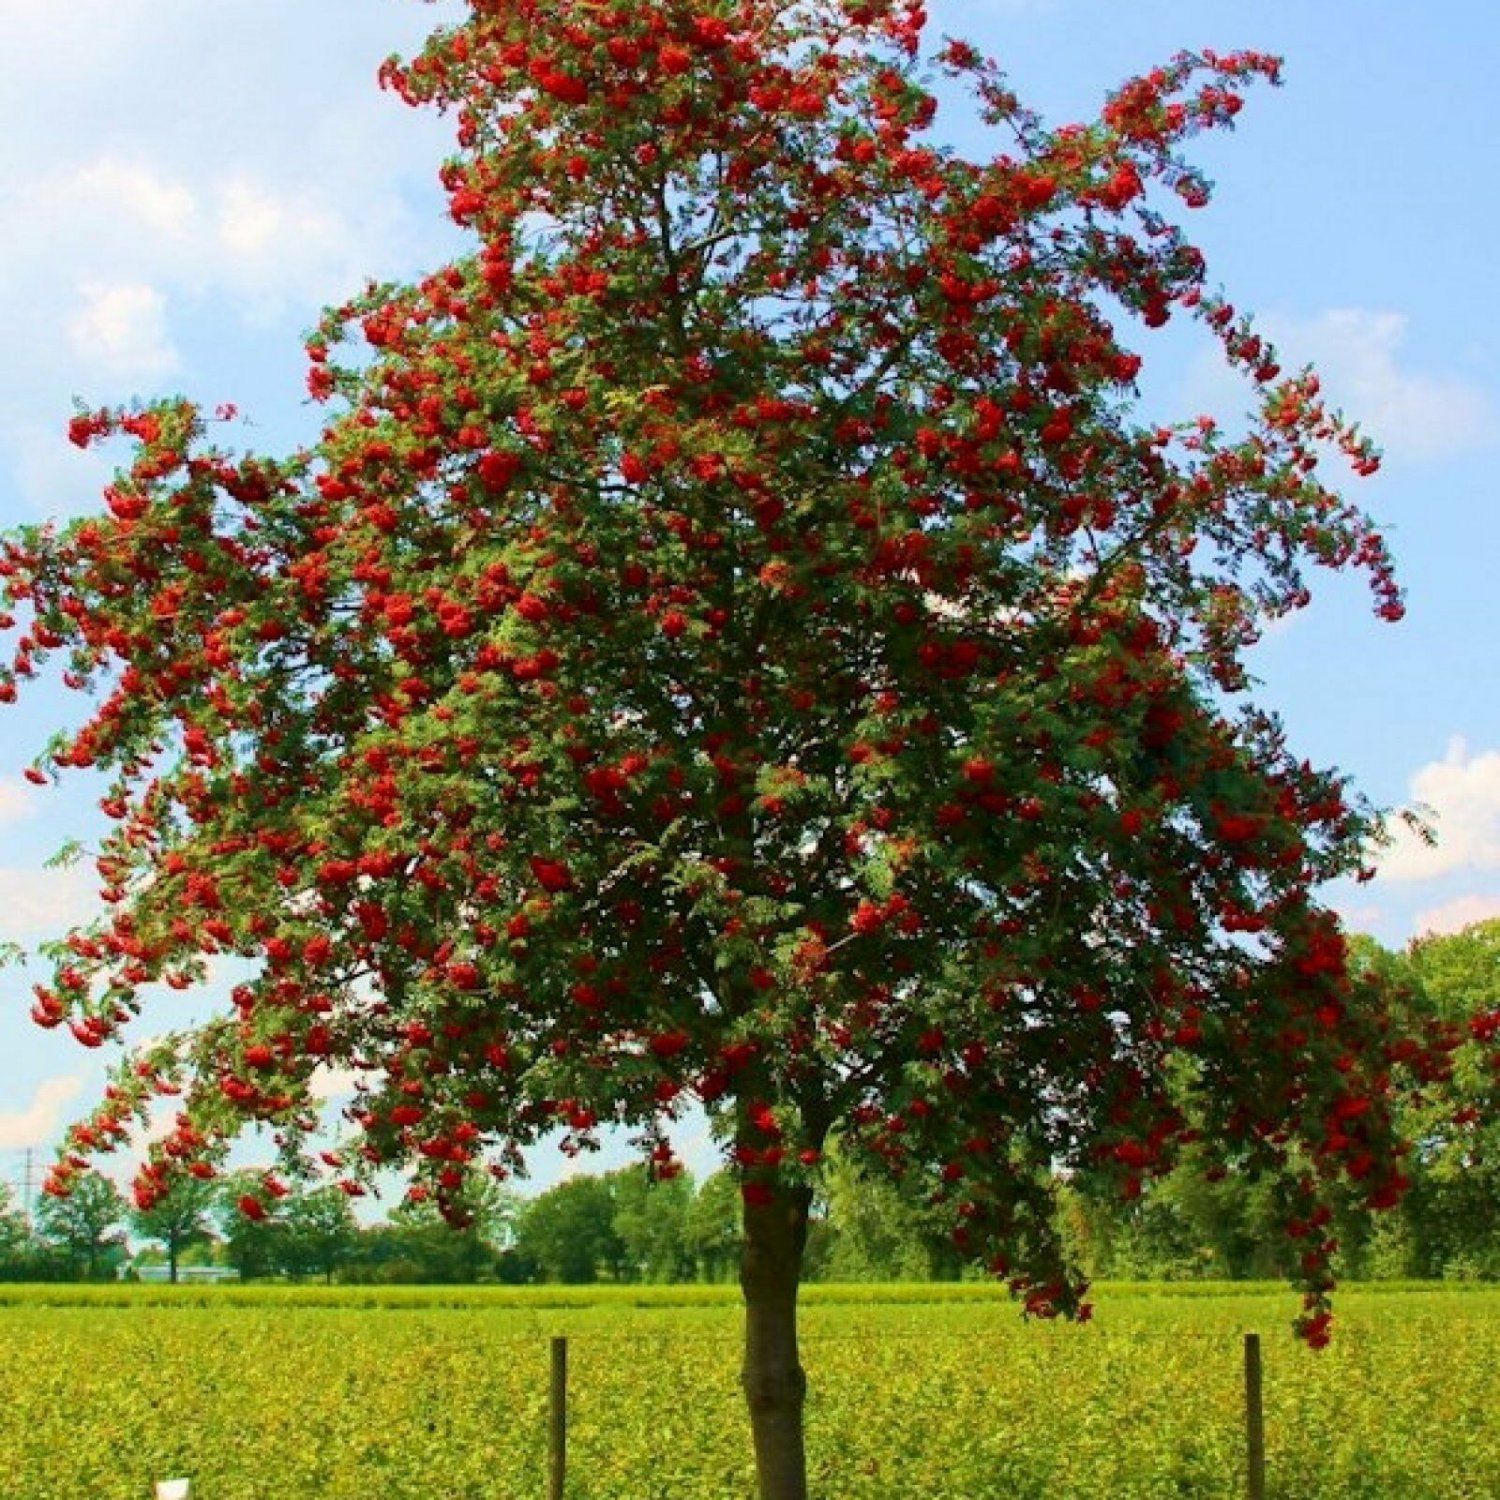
{"type": "Point", "coordinates": [1255, 1421]}
{"type": "Point", "coordinates": [557, 1422]}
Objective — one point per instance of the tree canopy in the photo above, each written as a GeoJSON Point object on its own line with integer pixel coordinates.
{"type": "Point", "coordinates": [735, 639]}
{"type": "Point", "coordinates": [86, 1224]}
{"type": "Point", "coordinates": [177, 1218]}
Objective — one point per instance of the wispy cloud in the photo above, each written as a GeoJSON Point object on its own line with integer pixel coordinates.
{"type": "Point", "coordinates": [1454, 916]}
{"type": "Point", "coordinates": [40, 1121]}
{"type": "Point", "coordinates": [1461, 794]}
{"type": "Point", "coordinates": [1411, 413]}
{"type": "Point", "coordinates": [252, 242]}
{"type": "Point", "coordinates": [120, 328]}
{"type": "Point", "coordinates": [19, 800]}
{"type": "Point", "coordinates": [330, 1084]}
{"type": "Point", "coordinates": [44, 903]}
{"type": "Point", "coordinates": [1359, 916]}
{"type": "Point", "coordinates": [178, 177]}
{"type": "Point", "coordinates": [130, 191]}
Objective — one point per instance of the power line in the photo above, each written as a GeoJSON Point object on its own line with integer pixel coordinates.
{"type": "Point", "coordinates": [23, 1177]}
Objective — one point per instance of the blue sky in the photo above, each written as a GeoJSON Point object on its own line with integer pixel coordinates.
{"type": "Point", "coordinates": [186, 185]}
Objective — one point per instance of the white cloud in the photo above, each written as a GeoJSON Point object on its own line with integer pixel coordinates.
{"type": "Point", "coordinates": [116, 188]}
{"type": "Point", "coordinates": [121, 329]}
{"type": "Point", "coordinates": [196, 230]}
{"type": "Point", "coordinates": [1454, 916]}
{"type": "Point", "coordinates": [250, 219]}
{"type": "Point", "coordinates": [271, 244]}
{"type": "Point", "coordinates": [186, 186]}
{"type": "Point", "coordinates": [1362, 916]}
{"type": "Point", "coordinates": [333, 1083]}
{"type": "Point", "coordinates": [18, 799]}
{"type": "Point", "coordinates": [38, 1123]}
{"type": "Point", "coordinates": [51, 476]}
{"type": "Point", "coordinates": [1409, 413]}
{"type": "Point", "coordinates": [161, 1119]}
{"type": "Point", "coordinates": [44, 903]}
{"type": "Point", "coordinates": [1461, 793]}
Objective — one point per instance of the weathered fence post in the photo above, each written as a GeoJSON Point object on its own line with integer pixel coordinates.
{"type": "Point", "coordinates": [1255, 1421]}
{"type": "Point", "coordinates": [557, 1422]}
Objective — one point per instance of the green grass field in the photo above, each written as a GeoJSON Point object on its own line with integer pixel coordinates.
{"type": "Point", "coordinates": [917, 1394]}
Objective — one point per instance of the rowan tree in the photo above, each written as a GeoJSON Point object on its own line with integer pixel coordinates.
{"type": "Point", "coordinates": [736, 642]}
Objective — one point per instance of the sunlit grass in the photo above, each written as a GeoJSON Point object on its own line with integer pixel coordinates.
{"type": "Point", "coordinates": [918, 1393]}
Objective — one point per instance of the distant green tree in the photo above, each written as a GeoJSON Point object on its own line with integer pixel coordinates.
{"type": "Point", "coordinates": [177, 1218]}
{"type": "Point", "coordinates": [878, 1231]}
{"type": "Point", "coordinates": [1460, 972]}
{"type": "Point", "coordinates": [1203, 1220]}
{"type": "Point", "coordinates": [251, 1243]}
{"type": "Point", "coordinates": [384, 1254]}
{"type": "Point", "coordinates": [1229, 1220]}
{"type": "Point", "coordinates": [419, 1243]}
{"type": "Point", "coordinates": [14, 1230]}
{"type": "Point", "coordinates": [1452, 1214]}
{"type": "Point", "coordinates": [20, 1252]}
{"type": "Point", "coordinates": [85, 1224]}
{"type": "Point", "coordinates": [319, 1233]}
{"type": "Point", "coordinates": [569, 1231]}
{"type": "Point", "coordinates": [651, 1222]}
{"type": "Point", "coordinates": [1193, 1223]}
{"type": "Point", "coordinates": [713, 1225]}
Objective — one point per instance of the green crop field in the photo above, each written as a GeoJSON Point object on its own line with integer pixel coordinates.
{"type": "Point", "coordinates": [917, 1394]}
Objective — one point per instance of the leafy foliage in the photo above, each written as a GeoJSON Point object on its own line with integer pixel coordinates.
{"type": "Point", "coordinates": [86, 1224]}
{"type": "Point", "coordinates": [1450, 1218]}
{"type": "Point", "coordinates": [569, 1231]}
{"type": "Point", "coordinates": [178, 1218]}
{"type": "Point", "coordinates": [23, 1257]}
{"type": "Point", "coordinates": [1198, 1220]}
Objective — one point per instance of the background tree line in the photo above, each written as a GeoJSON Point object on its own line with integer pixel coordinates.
{"type": "Point", "coordinates": [620, 1226]}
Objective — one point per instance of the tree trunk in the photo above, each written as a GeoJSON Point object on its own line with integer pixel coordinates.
{"type": "Point", "coordinates": [774, 1382]}
{"type": "Point", "coordinates": [172, 1261]}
